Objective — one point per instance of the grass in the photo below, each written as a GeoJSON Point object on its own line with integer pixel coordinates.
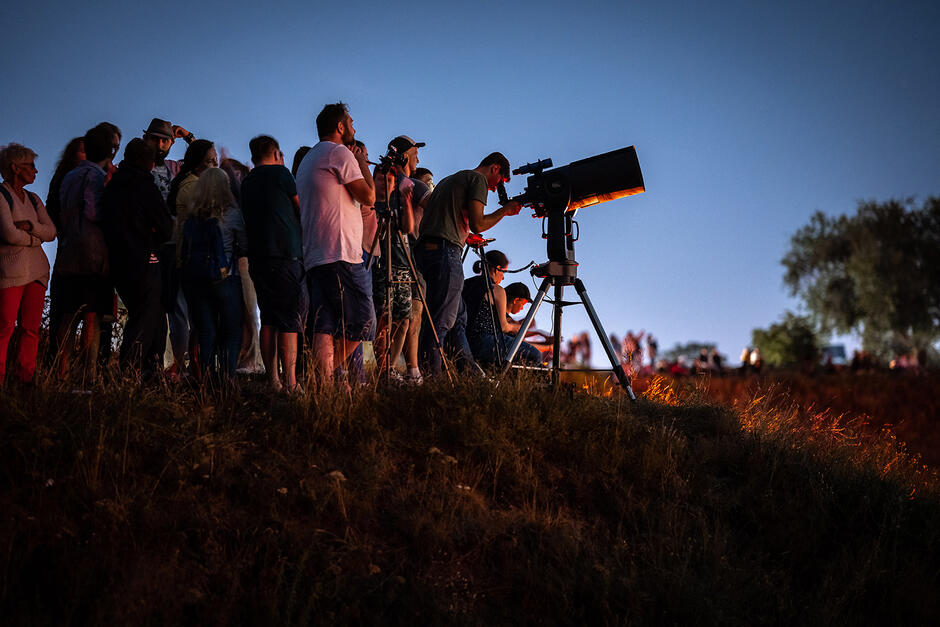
{"type": "Point", "coordinates": [455, 504]}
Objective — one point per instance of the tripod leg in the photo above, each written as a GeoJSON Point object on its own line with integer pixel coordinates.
{"type": "Point", "coordinates": [616, 366]}
{"type": "Point", "coordinates": [526, 324]}
{"type": "Point", "coordinates": [370, 259]}
{"type": "Point", "coordinates": [427, 312]}
{"type": "Point", "coordinates": [558, 307]}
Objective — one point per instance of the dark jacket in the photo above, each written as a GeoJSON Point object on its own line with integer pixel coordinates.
{"type": "Point", "coordinates": [135, 219]}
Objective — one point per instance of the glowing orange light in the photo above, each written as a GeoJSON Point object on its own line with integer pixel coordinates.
{"type": "Point", "coordinates": [599, 198]}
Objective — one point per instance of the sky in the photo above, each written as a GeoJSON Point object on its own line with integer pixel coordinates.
{"type": "Point", "coordinates": [747, 117]}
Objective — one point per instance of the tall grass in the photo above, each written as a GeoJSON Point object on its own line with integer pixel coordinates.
{"type": "Point", "coordinates": [456, 503]}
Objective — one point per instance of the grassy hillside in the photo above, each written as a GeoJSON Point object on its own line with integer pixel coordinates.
{"type": "Point", "coordinates": [454, 504]}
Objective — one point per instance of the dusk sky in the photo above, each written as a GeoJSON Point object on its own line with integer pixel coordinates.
{"type": "Point", "coordinates": [746, 116]}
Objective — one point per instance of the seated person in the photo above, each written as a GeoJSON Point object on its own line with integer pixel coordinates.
{"type": "Point", "coordinates": [517, 297]}
{"type": "Point", "coordinates": [483, 313]}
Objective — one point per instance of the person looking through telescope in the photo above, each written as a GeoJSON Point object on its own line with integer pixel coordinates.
{"type": "Point", "coordinates": [454, 209]}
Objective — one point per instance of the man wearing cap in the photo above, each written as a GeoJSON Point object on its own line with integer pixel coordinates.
{"type": "Point", "coordinates": [160, 135]}
{"type": "Point", "coordinates": [411, 192]}
{"type": "Point", "coordinates": [452, 211]}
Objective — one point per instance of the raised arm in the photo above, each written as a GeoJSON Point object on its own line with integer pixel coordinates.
{"type": "Point", "coordinates": [362, 190]}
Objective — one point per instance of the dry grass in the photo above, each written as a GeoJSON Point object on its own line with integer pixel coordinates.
{"type": "Point", "coordinates": [460, 503]}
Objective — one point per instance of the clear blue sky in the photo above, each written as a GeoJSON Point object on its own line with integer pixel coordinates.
{"type": "Point", "coordinates": [747, 116]}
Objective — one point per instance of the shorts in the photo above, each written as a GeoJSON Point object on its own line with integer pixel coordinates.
{"type": "Point", "coordinates": [85, 292]}
{"type": "Point", "coordinates": [400, 292]}
{"type": "Point", "coordinates": [415, 294]}
{"type": "Point", "coordinates": [341, 300]}
{"type": "Point", "coordinates": [279, 284]}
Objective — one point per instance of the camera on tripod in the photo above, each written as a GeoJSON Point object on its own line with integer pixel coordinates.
{"type": "Point", "coordinates": [393, 159]}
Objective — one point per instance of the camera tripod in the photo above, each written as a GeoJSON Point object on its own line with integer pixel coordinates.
{"type": "Point", "coordinates": [557, 274]}
{"type": "Point", "coordinates": [387, 229]}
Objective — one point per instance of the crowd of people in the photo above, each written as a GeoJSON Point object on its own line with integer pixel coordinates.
{"type": "Point", "coordinates": [195, 249]}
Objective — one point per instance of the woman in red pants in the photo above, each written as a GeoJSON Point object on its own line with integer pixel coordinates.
{"type": "Point", "coordinates": [24, 268]}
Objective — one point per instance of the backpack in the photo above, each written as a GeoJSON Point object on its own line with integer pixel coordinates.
{"type": "Point", "coordinates": [202, 253]}
{"type": "Point", "coordinates": [9, 198]}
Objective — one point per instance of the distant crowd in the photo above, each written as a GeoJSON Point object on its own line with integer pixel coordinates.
{"type": "Point", "coordinates": [237, 265]}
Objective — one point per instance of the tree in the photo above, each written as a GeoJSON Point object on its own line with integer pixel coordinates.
{"type": "Point", "coordinates": [876, 273]}
{"type": "Point", "coordinates": [791, 342]}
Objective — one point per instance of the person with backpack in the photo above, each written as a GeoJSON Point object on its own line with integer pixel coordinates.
{"type": "Point", "coordinates": [210, 240]}
{"type": "Point", "coordinates": [200, 155]}
{"type": "Point", "coordinates": [24, 268]}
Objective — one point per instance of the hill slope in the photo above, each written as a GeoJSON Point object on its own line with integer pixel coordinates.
{"type": "Point", "coordinates": [454, 504]}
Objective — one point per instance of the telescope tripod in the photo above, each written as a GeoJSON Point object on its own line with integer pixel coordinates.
{"type": "Point", "coordinates": [557, 275]}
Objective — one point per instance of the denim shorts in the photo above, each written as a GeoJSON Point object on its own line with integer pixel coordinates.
{"type": "Point", "coordinates": [341, 300]}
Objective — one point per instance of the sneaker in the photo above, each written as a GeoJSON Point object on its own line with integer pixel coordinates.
{"type": "Point", "coordinates": [413, 379]}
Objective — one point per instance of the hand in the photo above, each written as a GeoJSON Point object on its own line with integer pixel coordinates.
{"type": "Point", "coordinates": [513, 207]}
{"type": "Point", "coordinates": [358, 152]}
{"type": "Point", "coordinates": [179, 131]}
{"type": "Point", "coordinates": [24, 225]}
{"type": "Point", "coordinates": [407, 193]}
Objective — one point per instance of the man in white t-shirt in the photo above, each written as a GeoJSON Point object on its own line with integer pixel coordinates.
{"type": "Point", "coordinates": [331, 180]}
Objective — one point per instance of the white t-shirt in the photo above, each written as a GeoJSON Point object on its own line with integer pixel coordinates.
{"type": "Point", "coordinates": [330, 218]}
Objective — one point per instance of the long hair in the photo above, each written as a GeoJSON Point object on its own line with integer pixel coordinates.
{"type": "Point", "coordinates": [237, 171]}
{"type": "Point", "coordinates": [213, 194]}
{"type": "Point", "coordinates": [195, 154]}
{"type": "Point", "coordinates": [298, 157]}
{"type": "Point", "coordinates": [493, 258]}
{"type": "Point", "coordinates": [67, 162]}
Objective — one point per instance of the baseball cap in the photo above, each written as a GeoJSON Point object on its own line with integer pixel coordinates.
{"type": "Point", "coordinates": [403, 143]}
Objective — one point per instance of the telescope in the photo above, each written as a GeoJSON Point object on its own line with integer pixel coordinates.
{"type": "Point", "coordinates": [590, 181]}
{"type": "Point", "coordinates": [556, 195]}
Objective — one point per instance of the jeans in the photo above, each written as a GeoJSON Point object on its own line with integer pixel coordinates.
{"type": "Point", "coordinates": [174, 301]}
{"type": "Point", "coordinates": [456, 341]}
{"type": "Point", "coordinates": [145, 332]}
{"type": "Point", "coordinates": [440, 264]}
{"type": "Point", "coordinates": [484, 349]}
{"type": "Point", "coordinates": [217, 315]}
